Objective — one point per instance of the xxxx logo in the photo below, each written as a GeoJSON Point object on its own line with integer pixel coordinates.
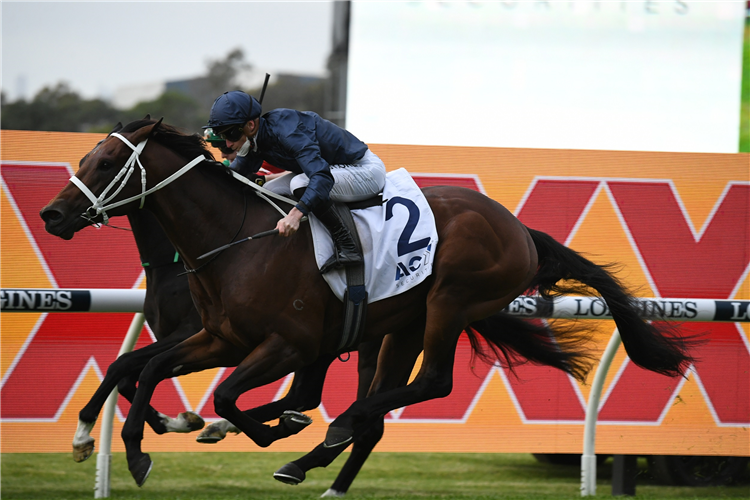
{"type": "Point", "coordinates": [677, 260]}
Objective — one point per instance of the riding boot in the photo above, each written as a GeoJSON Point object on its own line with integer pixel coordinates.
{"type": "Point", "coordinates": [346, 252]}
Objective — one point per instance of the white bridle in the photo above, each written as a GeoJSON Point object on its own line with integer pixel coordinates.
{"type": "Point", "coordinates": [100, 203]}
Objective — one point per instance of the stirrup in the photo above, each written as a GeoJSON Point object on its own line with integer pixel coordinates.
{"type": "Point", "coordinates": [335, 262]}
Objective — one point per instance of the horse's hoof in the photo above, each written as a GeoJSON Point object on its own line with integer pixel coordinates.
{"type": "Point", "coordinates": [211, 434]}
{"type": "Point", "coordinates": [295, 421]}
{"type": "Point", "coordinates": [330, 492]}
{"type": "Point", "coordinates": [337, 436]}
{"type": "Point", "coordinates": [193, 421]}
{"type": "Point", "coordinates": [83, 451]}
{"type": "Point", "coordinates": [142, 469]}
{"type": "Point", "coordinates": [290, 474]}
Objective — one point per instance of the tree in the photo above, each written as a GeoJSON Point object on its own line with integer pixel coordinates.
{"type": "Point", "coordinates": [222, 73]}
{"type": "Point", "coordinates": [185, 104]}
{"type": "Point", "coordinates": [57, 109]}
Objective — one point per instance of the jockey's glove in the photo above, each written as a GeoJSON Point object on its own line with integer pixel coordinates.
{"type": "Point", "coordinates": [257, 179]}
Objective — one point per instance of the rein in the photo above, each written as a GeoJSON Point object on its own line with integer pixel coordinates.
{"type": "Point", "coordinates": [100, 204]}
{"type": "Point", "coordinates": [195, 270]}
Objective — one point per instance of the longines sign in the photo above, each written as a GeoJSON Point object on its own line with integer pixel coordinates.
{"type": "Point", "coordinates": [112, 300]}
{"type": "Point", "coordinates": [650, 308]}
{"type": "Point", "coordinates": [74, 300]}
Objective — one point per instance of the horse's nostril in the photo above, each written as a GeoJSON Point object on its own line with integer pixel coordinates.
{"type": "Point", "coordinates": [51, 215]}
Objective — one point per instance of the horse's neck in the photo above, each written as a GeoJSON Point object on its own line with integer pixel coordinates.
{"type": "Point", "coordinates": [153, 244]}
{"type": "Point", "coordinates": [202, 211]}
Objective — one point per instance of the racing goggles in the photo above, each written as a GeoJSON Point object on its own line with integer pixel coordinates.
{"type": "Point", "coordinates": [232, 133]}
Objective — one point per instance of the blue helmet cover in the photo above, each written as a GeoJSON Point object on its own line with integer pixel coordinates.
{"type": "Point", "coordinates": [232, 108]}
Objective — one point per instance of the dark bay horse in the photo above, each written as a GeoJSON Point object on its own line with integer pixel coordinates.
{"type": "Point", "coordinates": [172, 317]}
{"type": "Point", "coordinates": [266, 310]}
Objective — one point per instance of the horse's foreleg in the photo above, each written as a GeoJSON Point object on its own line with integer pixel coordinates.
{"type": "Point", "coordinates": [303, 395]}
{"type": "Point", "coordinates": [199, 352]}
{"type": "Point", "coordinates": [127, 366]}
{"type": "Point", "coordinates": [268, 362]}
{"type": "Point", "coordinates": [395, 362]}
{"type": "Point", "coordinates": [187, 421]}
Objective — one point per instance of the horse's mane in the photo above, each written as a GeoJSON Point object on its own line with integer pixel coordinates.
{"type": "Point", "coordinates": [187, 146]}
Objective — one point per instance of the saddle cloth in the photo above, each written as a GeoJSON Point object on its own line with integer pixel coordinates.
{"type": "Point", "coordinates": [398, 239]}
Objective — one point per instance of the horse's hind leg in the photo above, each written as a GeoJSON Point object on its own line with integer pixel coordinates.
{"type": "Point", "coordinates": [395, 362]}
{"type": "Point", "coordinates": [364, 443]}
{"type": "Point", "coordinates": [126, 367]}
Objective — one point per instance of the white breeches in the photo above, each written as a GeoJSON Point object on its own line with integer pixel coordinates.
{"type": "Point", "coordinates": [359, 181]}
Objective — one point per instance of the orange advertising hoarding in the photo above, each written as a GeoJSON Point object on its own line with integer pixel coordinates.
{"type": "Point", "coordinates": [679, 224]}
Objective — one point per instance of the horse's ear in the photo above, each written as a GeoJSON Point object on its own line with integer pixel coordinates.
{"type": "Point", "coordinates": [144, 133]}
{"type": "Point", "coordinates": [147, 117]}
{"type": "Point", "coordinates": [155, 127]}
{"type": "Point", "coordinates": [117, 128]}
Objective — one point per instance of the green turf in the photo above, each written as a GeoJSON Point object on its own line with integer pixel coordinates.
{"type": "Point", "coordinates": [219, 476]}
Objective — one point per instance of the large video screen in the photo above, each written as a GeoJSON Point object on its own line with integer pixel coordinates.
{"type": "Point", "coordinates": [676, 232]}
{"type": "Point", "coordinates": [640, 75]}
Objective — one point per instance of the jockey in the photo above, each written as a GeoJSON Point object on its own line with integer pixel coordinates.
{"type": "Point", "coordinates": [327, 163]}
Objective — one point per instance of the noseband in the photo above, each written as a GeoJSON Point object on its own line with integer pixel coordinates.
{"type": "Point", "coordinates": [100, 203]}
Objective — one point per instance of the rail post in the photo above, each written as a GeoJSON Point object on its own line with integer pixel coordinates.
{"type": "Point", "coordinates": [104, 457]}
{"type": "Point", "coordinates": [588, 459]}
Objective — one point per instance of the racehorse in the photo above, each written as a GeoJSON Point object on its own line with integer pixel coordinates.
{"type": "Point", "coordinates": [266, 309]}
{"type": "Point", "coordinates": [172, 316]}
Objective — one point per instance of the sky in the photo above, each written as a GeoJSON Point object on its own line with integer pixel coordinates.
{"type": "Point", "coordinates": [98, 47]}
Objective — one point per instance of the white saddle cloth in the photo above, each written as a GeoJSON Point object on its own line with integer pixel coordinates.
{"type": "Point", "coordinates": [398, 239]}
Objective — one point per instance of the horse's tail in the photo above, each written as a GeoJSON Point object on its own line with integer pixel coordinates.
{"type": "Point", "coordinates": [514, 341]}
{"type": "Point", "coordinates": [563, 271]}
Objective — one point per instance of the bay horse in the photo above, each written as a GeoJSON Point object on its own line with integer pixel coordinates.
{"type": "Point", "coordinates": [266, 309]}
{"type": "Point", "coordinates": [170, 313]}
{"type": "Point", "coordinates": [173, 317]}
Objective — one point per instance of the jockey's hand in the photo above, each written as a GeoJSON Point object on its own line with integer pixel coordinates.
{"type": "Point", "coordinates": [289, 224]}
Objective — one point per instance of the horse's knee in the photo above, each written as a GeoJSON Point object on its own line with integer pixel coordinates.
{"type": "Point", "coordinates": [224, 403]}
{"type": "Point", "coordinates": [118, 368]}
{"type": "Point", "coordinates": [125, 384]}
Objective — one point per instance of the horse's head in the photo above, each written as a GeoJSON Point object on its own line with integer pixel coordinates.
{"type": "Point", "coordinates": [110, 172]}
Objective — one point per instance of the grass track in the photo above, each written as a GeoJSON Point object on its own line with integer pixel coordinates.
{"type": "Point", "coordinates": [220, 476]}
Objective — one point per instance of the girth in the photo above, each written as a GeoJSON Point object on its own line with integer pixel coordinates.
{"type": "Point", "coordinates": [355, 297]}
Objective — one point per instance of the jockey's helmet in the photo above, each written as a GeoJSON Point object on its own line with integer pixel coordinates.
{"type": "Point", "coordinates": [233, 108]}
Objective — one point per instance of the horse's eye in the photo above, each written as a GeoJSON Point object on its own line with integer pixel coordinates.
{"type": "Point", "coordinates": [106, 165]}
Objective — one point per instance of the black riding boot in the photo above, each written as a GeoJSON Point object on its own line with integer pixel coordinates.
{"type": "Point", "coordinates": [346, 252]}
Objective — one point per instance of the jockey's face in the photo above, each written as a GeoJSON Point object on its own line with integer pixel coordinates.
{"type": "Point", "coordinates": [250, 129]}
